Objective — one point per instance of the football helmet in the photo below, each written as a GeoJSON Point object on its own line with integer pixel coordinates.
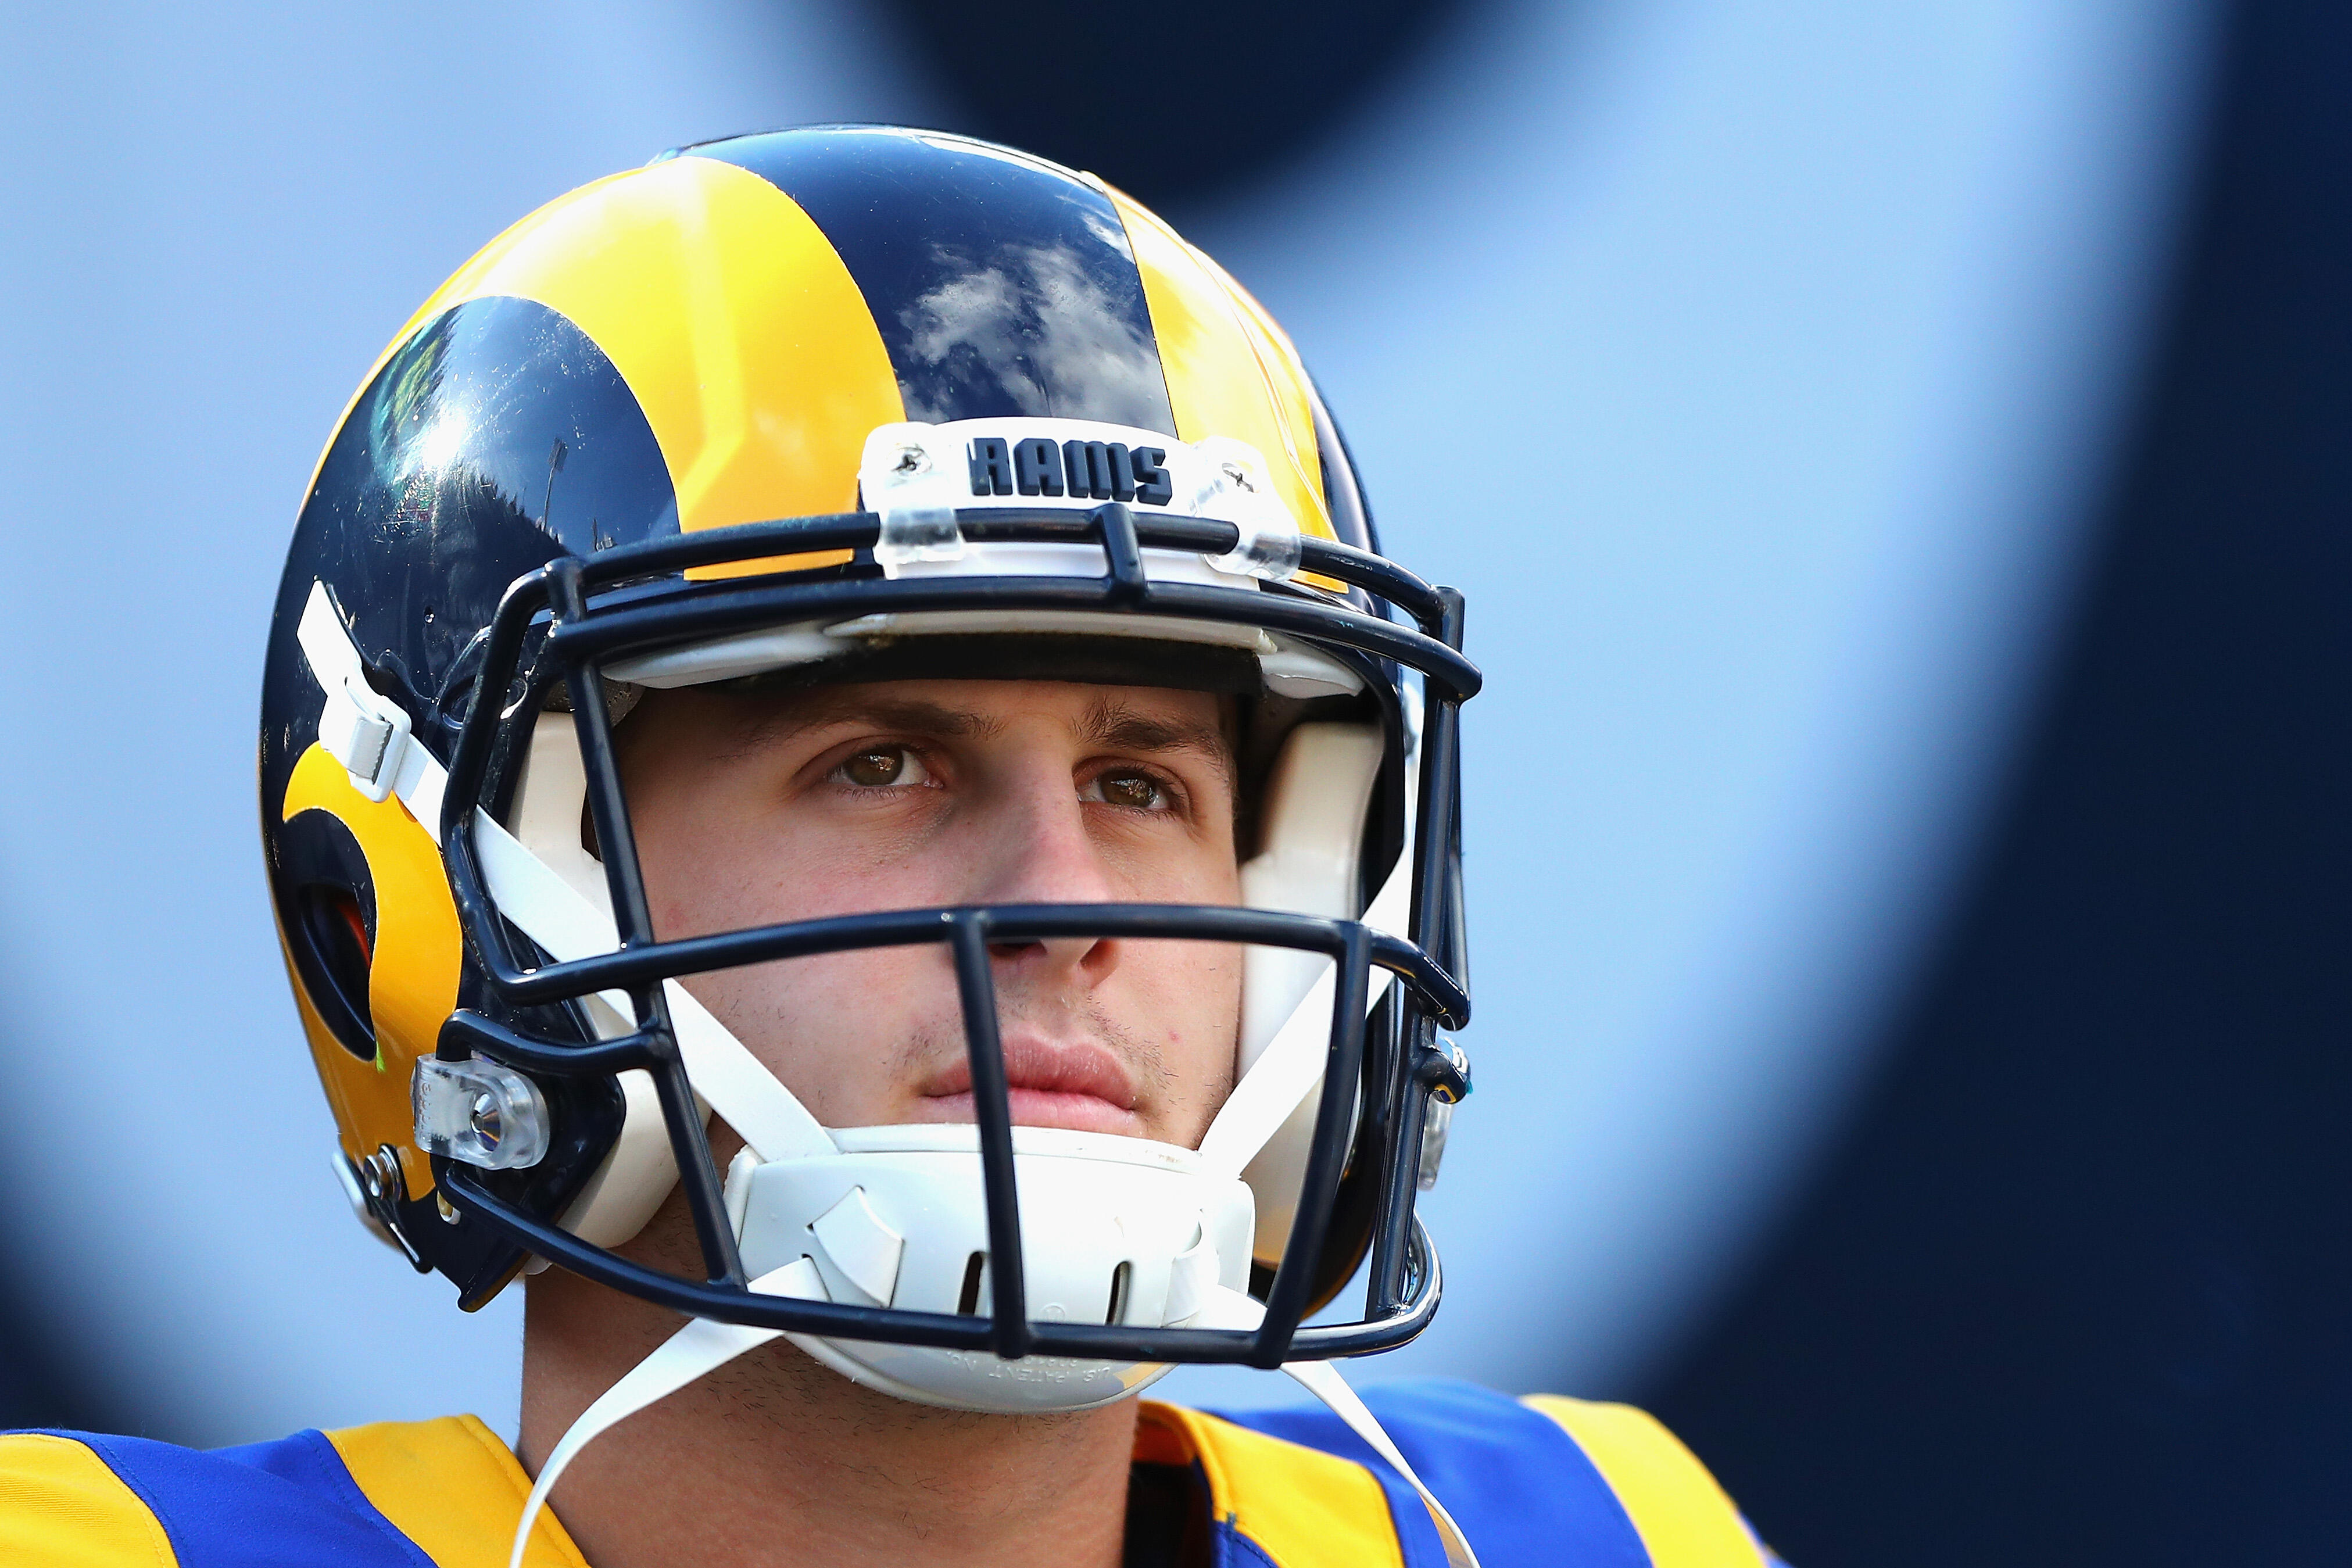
{"type": "Point", "coordinates": [857, 404]}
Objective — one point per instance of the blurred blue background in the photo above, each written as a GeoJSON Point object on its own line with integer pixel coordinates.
{"type": "Point", "coordinates": [1905, 533]}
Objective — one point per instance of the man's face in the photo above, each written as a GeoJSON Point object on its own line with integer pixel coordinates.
{"type": "Point", "coordinates": [754, 810]}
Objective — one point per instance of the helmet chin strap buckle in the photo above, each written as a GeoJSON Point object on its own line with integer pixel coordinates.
{"type": "Point", "coordinates": [365, 733]}
{"type": "Point", "coordinates": [359, 727]}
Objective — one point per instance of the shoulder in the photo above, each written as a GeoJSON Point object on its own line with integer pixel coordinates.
{"type": "Point", "coordinates": [1544, 1480]}
{"type": "Point", "coordinates": [62, 1506]}
{"type": "Point", "coordinates": [83, 1500]}
{"type": "Point", "coordinates": [74, 1499]}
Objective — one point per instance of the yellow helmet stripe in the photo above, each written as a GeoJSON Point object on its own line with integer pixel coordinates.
{"type": "Point", "coordinates": [1231, 371]}
{"type": "Point", "coordinates": [724, 307]}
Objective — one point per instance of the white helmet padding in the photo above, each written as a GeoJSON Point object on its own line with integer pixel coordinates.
{"type": "Point", "coordinates": [639, 1170]}
{"type": "Point", "coordinates": [1311, 836]}
{"type": "Point", "coordinates": [1286, 667]}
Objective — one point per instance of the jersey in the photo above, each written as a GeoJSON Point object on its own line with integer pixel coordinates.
{"type": "Point", "coordinates": [1546, 1481]}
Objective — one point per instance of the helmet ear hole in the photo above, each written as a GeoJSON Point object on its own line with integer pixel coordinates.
{"type": "Point", "coordinates": [339, 947]}
{"type": "Point", "coordinates": [327, 891]}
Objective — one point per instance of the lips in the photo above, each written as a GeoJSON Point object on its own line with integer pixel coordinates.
{"type": "Point", "coordinates": [1080, 1086]}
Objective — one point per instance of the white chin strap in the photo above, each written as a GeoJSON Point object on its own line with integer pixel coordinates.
{"type": "Point", "coordinates": [1291, 1067]}
{"type": "Point", "coordinates": [705, 1345]}
{"type": "Point", "coordinates": [370, 736]}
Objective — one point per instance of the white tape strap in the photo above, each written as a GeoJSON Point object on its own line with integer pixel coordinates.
{"type": "Point", "coordinates": [333, 660]}
{"type": "Point", "coordinates": [701, 1347]}
{"type": "Point", "coordinates": [1230, 1309]}
{"type": "Point", "coordinates": [419, 784]}
{"type": "Point", "coordinates": [361, 728]}
{"type": "Point", "coordinates": [553, 913]}
{"type": "Point", "coordinates": [1322, 1380]}
{"type": "Point", "coordinates": [1291, 1068]}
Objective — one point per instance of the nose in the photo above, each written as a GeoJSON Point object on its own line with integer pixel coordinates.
{"type": "Point", "coordinates": [1038, 851]}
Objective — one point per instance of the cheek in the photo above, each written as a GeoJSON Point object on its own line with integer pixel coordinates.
{"type": "Point", "coordinates": [1195, 1002]}
{"type": "Point", "coordinates": [700, 866]}
{"type": "Point", "coordinates": [1203, 872]}
{"type": "Point", "coordinates": [723, 871]}
{"type": "Point", "coordinates": [840, 1030]}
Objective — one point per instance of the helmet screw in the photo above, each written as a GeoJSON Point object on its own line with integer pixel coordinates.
{"type": "Point", "coordinates": [912, 459]}
{"type": "Point", "coordinates": [486, 1119]}
{"type": "Point", "coordinates": [380, 1175]}
{"type": "Point", "coordinates": [1445, 1070]}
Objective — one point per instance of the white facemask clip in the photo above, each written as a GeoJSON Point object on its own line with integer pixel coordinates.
{"type": "Point", "coordinates": [1234, 488]}
{"type": "Point", "coordinates": [914, 490]}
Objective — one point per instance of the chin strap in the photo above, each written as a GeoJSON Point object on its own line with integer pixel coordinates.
{"type": "Point", "coordinates": [1322, 1380]}
{"type": "Point", "coordinates": [1230, 1309]}
{"type": "Point", "coordinates": [1291, 1067]}
{"type": "Point", "coordinates": [703, 1346]}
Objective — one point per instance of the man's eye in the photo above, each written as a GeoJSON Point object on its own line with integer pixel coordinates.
{"type": "Point", "coordinates": [883, 767]}
{"type": "Point", "coordinates": [1140, 791]}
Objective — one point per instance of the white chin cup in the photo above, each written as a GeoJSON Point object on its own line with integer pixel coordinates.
{"type": "Point", "coordinates": [1113, 1229]}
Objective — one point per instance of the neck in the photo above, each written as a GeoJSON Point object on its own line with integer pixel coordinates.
{"type": "Point", "coordinates": [774, 1459]}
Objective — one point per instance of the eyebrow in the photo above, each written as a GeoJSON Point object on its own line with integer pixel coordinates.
{"type": "Point", "coordinates": [1107, 722]}
{"type": "Point", "coordinates": [911, 714]}
{"type": "Point", "coordinates": [1112, 723]}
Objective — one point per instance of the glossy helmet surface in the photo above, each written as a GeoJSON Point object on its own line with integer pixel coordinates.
{"type": "Point", "coordinates": [853, 403]}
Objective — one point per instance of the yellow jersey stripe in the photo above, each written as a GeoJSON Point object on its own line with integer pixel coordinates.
{"type": "Point", "coordinates": [1302, 1507]}
{"type": "Point", "coordinates": [451, 1486]}
{"type": "Point", "coordinates": [61, 1507]}
{"type": "Point", "coordinates": [1684, 1518]}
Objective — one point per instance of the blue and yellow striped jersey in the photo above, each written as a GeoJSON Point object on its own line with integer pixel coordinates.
{"type": "Point", "coordinates": [1542, 1480]}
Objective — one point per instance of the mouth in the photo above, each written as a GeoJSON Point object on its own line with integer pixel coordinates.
{"type": "Point", "coordinates": [1079, 1085]}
